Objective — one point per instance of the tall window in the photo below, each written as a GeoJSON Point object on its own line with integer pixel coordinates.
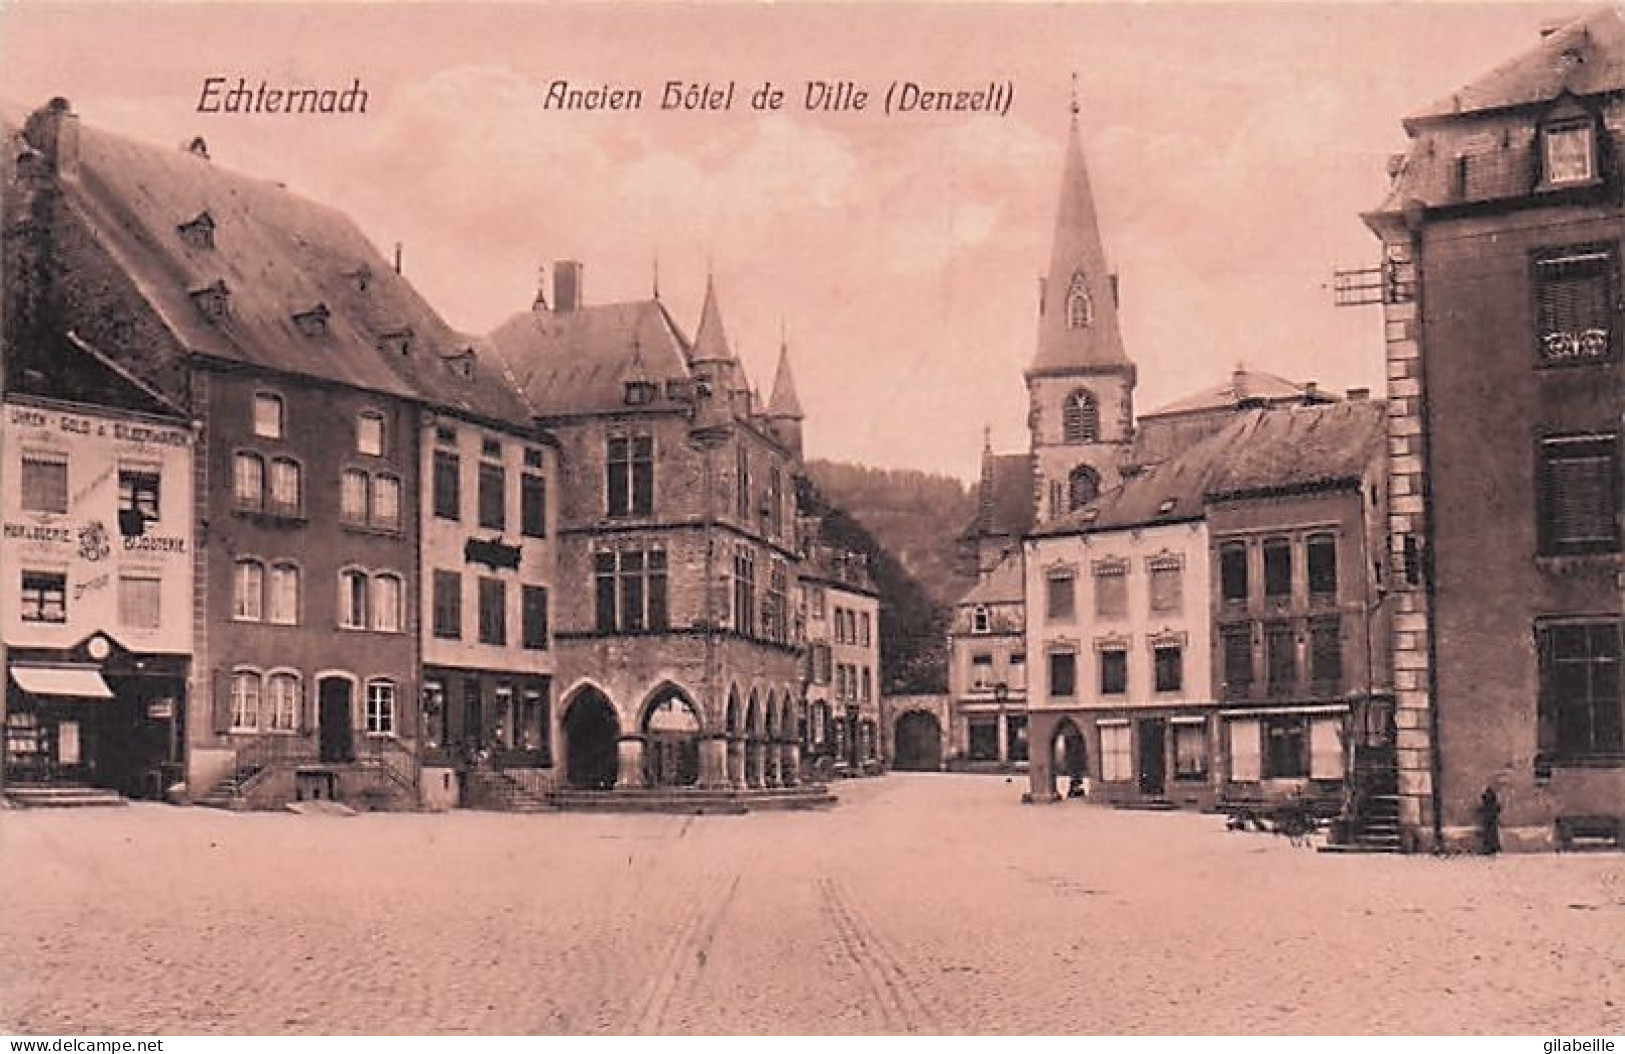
{"type": "Point", "coordinates": [248, 480]}
{"type": "Point", "coordinates": [387, 603]}
{"type": "Point", "coordinates": [1237, 643]}
{"type": "Point", "coordinates": [1322, 560]}
{"type": "Point", "coordinates": [1059, 597]}
{"type": "Point", "coordinates": [287, 486]}
{"type": "Point", "coordinates": [864, 629]}
{"type": "Point", "coordinates": [1082, 486]}
{"type": "Point", "coordinates": [447, 485]}
{"type": "Point", "coordinates": [981, 672]}
{"type": "Point", "coordinates": [775, 499]}
{"type": "Point", "coordinates": [248, 593]}
{"type": "Point", "coordinates": [1574, 305]}
{"type": "Point", "coordinates": [353, 496]}
{"type": "Point", "coordinates": [1286, 747]}
{"type": "Point", "coordinates": [386, 502]}
{"type": "Point", "coordinates": [630, 476]}
{"type": "Point", "coordinates": [1080, 417]}
{"type": "Point", "coordinates": [1113, 671]}
{"type": "Point", "coordinates": [630, 590]}
{"type": "Point", "coordinates": [775, 613]}
{"type": "Point", "coordinates": [1063, 673]}
{"type": "Point", "coordinates": [353, 599]}
{"type": "Point", "coordinates": [979, 620]}
{"type": "Point", "coordinates": [742, 478]}
{"type": "Point", "coordinates": [744, 605]}
{"type": "Point", "coordinates": [282, 702]}
{"type": "Point", "coordinates": [448, 605]}
{"type": "Point", "coordinates": [1190, 751]}
{"type": "Point", "coordinates": [1280, 657]}
{"type": "Point", "coordinates": [533, 505]}
{"type": "Point", "coordinates": [369, 433]}
{"type": "Point", "coordinates": [282, 596]}
{"type": "Point", "coordinates": [1080, 310]}
{"type": "Point", "coordinates": [44, 596]}
{"type": "Point", "coordinates": [1277, 568]}
{"type": "Point", "coordinates": [380, 708]}
{"type": "Point", "coordinates": [1233, 572]}
{"type": "Point", "coordinates": [1168, 662]}
{"type": "Point", "coordinates": [45, 482]}
{"type": "Point", "coordinates": [1579, 494]}
{"type": "Point", "coordinates": [493, 496]}
{"type": "Point", "coordinates": [268, 419]}
{"type": "Point", "coordinates": [1326, 653]}
{"type": "Point", "coordinates": [245, 701]}
{"type": "Point", "coordinates": [493, 611]}
{"type": "Point", "coordinates": [138, 499]}
{"type": "Point", "coordinates": [1116, 761]}
{"type": "Point", "coordinates": [1580, 708]}
{"type": "Point", "coordinates": [1167, 585]}
{"type": "Point", "coordinates": [1111, 591]}
{"type": "Point", "coordinates": [138, 600]}
{"type": "Point", "coordinates": [533, 617]}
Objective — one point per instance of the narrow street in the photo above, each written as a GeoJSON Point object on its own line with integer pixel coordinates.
{"type": "Point", "coordinates": [923, 903]}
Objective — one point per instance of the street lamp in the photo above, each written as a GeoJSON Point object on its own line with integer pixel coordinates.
{"type": "Point", "coordinates": [1001, 695]}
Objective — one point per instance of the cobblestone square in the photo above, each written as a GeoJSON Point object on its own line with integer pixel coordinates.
{"type": "Point", "coordinates": [922, 903]}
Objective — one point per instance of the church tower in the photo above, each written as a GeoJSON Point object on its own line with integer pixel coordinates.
{"type": "Point", "coordinates": [1080, 385]}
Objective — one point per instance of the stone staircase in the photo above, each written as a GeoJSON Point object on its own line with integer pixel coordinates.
{"type": "Point", "coordinates": [231, 792]}
{"type": "Point", "coordinates": [496, 790]}
{"type": "Point", "coordinates": [693, 800]}
{"type": "Point", "coordinates": [61, 795]}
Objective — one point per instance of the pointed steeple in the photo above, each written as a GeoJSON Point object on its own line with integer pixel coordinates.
{"type": "Point", "coordinates": [711, 340]}
{"type": "Point", "coordinates": [784, 404]}
{"type": "Point", "coordinates": [1077, 325]}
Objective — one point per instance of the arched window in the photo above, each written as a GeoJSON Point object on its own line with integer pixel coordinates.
{"type": "Point", "coordinates": [248, 591]}
{"type": "Point", "coordinates": [353, 599]}
{"type": "Point", "coordinates": [283, 598]}
{"type": "Point", "coordinates": [1082, 485]}
{"type": "Point", "coordinates": [1080, 417]}
{"type": "Point", "coordinates": [282, 697]}
{"type": "Point", "coordinates": [386, 603]}
{"type": "Point", "coordinates": [245, 701]}
{"type": "Point", "coordinates": [1080, 310]}
{"type": "Point", "coordinates": [287, 486]}
{"type": "Point", "coordinates": [979, 620]}
{"type": "Point", "coordinates": [248, 475]}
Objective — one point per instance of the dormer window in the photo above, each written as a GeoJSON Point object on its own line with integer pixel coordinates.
{"type": "Point", "coordinates": [396, 342]}
{"type": "Point", "coordinates": [1569, 151]}
{"type": "Point", "coordinates": [641, 393]}
{"type": "Point", "coordinates": [362, 277]}
{"type": "Point", "coordinates": [461, 363]}
{"type": "Point", "coordinates": [212, 300]}
{"type": "Point", "coordinates": [198, 233]}
{"type": "Point", "coordinates": [980, 621]}
{"type": "Point", "coordinates": [1080, 310]}
{"type": "Point", "coordinates": [313, 323]}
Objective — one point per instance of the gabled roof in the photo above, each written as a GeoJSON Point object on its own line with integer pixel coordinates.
{"type": "Point", "coordinates": [276, 255]}
{"type": "Point", "coordinates": [1585, 57]}
{"type": "Point", "coordinates": [579, 362]}
{"type": "Point", "coordinates": [1005, 502]}
{"type": "Point", "coordinates": [1243, 386]}
{"type": "Point", "coordinates": [1002, 585]}
{"type": "Point", "coordinates": [1298, 448]}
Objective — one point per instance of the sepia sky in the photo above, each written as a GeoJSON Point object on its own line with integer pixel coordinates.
{"type": "Point", "coordinates": [1232, 148]}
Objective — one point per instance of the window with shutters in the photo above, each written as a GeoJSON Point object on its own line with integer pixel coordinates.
{"type": "Point", "coordinates": [245, 701]}
{"type": "Point", "coordinates": [138, 599]}
{"type": "Point", "coordinates": [45, 482]}
{"type": "Point", "coordinates": [493, 611]}
{"type": "Point", "coordinates": [1236, 643]}
{"type": "Point", "coordinates": [1080, 417]}
{"type": "Point", "coordinates": [248, 591]}
{"type": "Point", "coordinates": [1280, 657]}
{"type": "Point", "coordinates": [287, 487]}
{"type": "Point", "coordinates": [353, 496]}
{"type": "Point", "coordinates": [1116, 760]}
{"type": "Point", "coordinates": [1326, 655]}
{"type": "Point", "coordinates": [1580, 704]}
{"type": "Point", "coordinates": [1574, 305]}
{"type": "Point", "coordinates": [282, 698]}
{"type": "Point", "coordinates": [1060, 593]}
{"type": "Point", "coordinates": [1245, 739]}
{"type": "Point", "coordinates": [447, 485]}
{"type": "Point", "coordinates": [369, 433]}
{"type": "Point", "coordinates": [448, 605]}
{"type": "Point", "coordinates": [1063, 673]}
{"type": "Point", "coordinates": [1579, 492]}
{"type": "Point", "coordinates": [1167, 585]}
{"type": "Point", "coordinates": [1111, 590]}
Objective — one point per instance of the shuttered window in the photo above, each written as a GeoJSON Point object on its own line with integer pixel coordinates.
{"type": "Point", "coordinates": [1244, 751]}
{"type": "Point", "coordinates": [447, 485]}
{"type": "Point", "coordinates": [1238, 660]}
{"type": "Point", "coordinates": [1166, 586]}
{"type": "Point", "coordinates": [1116, 763]}
{"type": "Point", "coordinates": [1326, 748]}
{"type": "Point", "coordinates": [448, 605]}
{"type": "Point", "coordinates": [1579, 494]}
{"type": "Point", "coordinates": [1280, 657]}
{"type": "Point", "coordinates": [1574, 305]}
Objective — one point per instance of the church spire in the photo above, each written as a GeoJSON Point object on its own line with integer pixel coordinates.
{"type": "Point", "coordinates": [711, 340]}
{"type": "Point", "coordinates": [783, 404]}
{"type": "Point", "coordinates": [1077, 325]}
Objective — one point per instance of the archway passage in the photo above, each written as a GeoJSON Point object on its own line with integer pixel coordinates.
{"type": "Point", "coordinates": [591, 731]}
{"type": "Point", "coordinates": [671, 732]}
{"type": "Point", "coordinates": [1068, 759]}
{"type": "Point", "coordinates": [918, 742]}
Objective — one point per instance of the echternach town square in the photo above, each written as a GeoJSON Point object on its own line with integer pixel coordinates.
{"type": "Point", "coordinates": [368, 671]}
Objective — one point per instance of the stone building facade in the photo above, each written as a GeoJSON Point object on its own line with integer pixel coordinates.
{"type": "Point", "coordinates": [842, 736]}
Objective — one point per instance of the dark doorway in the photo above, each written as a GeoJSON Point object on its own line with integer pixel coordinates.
{"type": "Point", "coordinates": [671, 731]}
{"type": "Point", "coordinates": [1153, 761]}
{"type": "Point", "coordinates": [1068, 759]}
{"type": "Point", "coordinates": [337, 733]}
{"type": "Point", "coordinates": [919, 742]}
{"type": "Point", "coordinates": [591, 732]}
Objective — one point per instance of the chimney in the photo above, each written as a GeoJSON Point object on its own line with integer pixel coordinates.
{"type": "Point", "coordinates": [1043, 291]}
{"type": "Point", "coordinates": [397, 257]}
{"type": "Point", "coordinates": [567, 278]}
{"type": "Point", "coordinates": [1117, 301]}
{"type": "Point", "coordinates": [53, 130]}
{"type": "Point", "coordinates": [1358, 395]}
{"type": "Point", "coordinates": [1311, 392]}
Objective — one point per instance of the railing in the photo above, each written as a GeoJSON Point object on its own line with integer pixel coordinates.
{"type": "Point", "coordinates": [387, 754]}
{"type": "Point", "coordinates": [264, 753]}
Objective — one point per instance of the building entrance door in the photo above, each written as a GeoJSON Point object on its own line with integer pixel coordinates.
{"type": "Point", "coordinates": [1153, 756]}
{"type": "Point", "coordinates": [337, 733]}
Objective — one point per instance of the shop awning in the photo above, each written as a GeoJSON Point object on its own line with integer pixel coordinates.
{"type": "Point", "coordinates": [78, 682]}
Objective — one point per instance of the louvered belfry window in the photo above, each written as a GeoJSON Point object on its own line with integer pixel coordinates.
{"type": "Point", "coordinates": [1574, 305]}
{"type": "Point", "coordinates": [1579, 494]}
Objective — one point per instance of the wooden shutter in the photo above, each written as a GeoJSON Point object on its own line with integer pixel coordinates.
{"type": "Point", "coordinates": [1574, 309]}
{"type": "Point", "coordinates": [220, 701]}
{"type": "Point", "coordinates": [1244, 751]}
{"type": "Point", "coordinates": [1325, 749]}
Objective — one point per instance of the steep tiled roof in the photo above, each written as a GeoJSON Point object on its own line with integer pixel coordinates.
{"type": "Point", "coordinates": [1260, 452]}
{"type": "Point", "coordinates": [1585, 57]}
{"type": "Point", "coordinates": [278, 255]}
{"type": "Point", "coordinates": [579, 362]}
{"type": "Point", "coordinates": [1242, 386]}
{"type": "Point", "coordinates": [1002, 585]}
{"type": "Point", "coordinates": [1007, 507]}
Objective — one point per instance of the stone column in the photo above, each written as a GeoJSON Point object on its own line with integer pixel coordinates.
{"type": "Point", "coordinates": [755, 767]}
{"type": "Point", "coordinates": [1004, 740]}
{"type": "Point", "coordinates": [629, 753]}
{"type": "Point", "coordinates": [714, 762]}
{"type": "Point", "coordinates": [772, 756]}
{"type": "Point", "coordinates": [790, 765]}
{"type": "Point", "coordinates": [736, 763]}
